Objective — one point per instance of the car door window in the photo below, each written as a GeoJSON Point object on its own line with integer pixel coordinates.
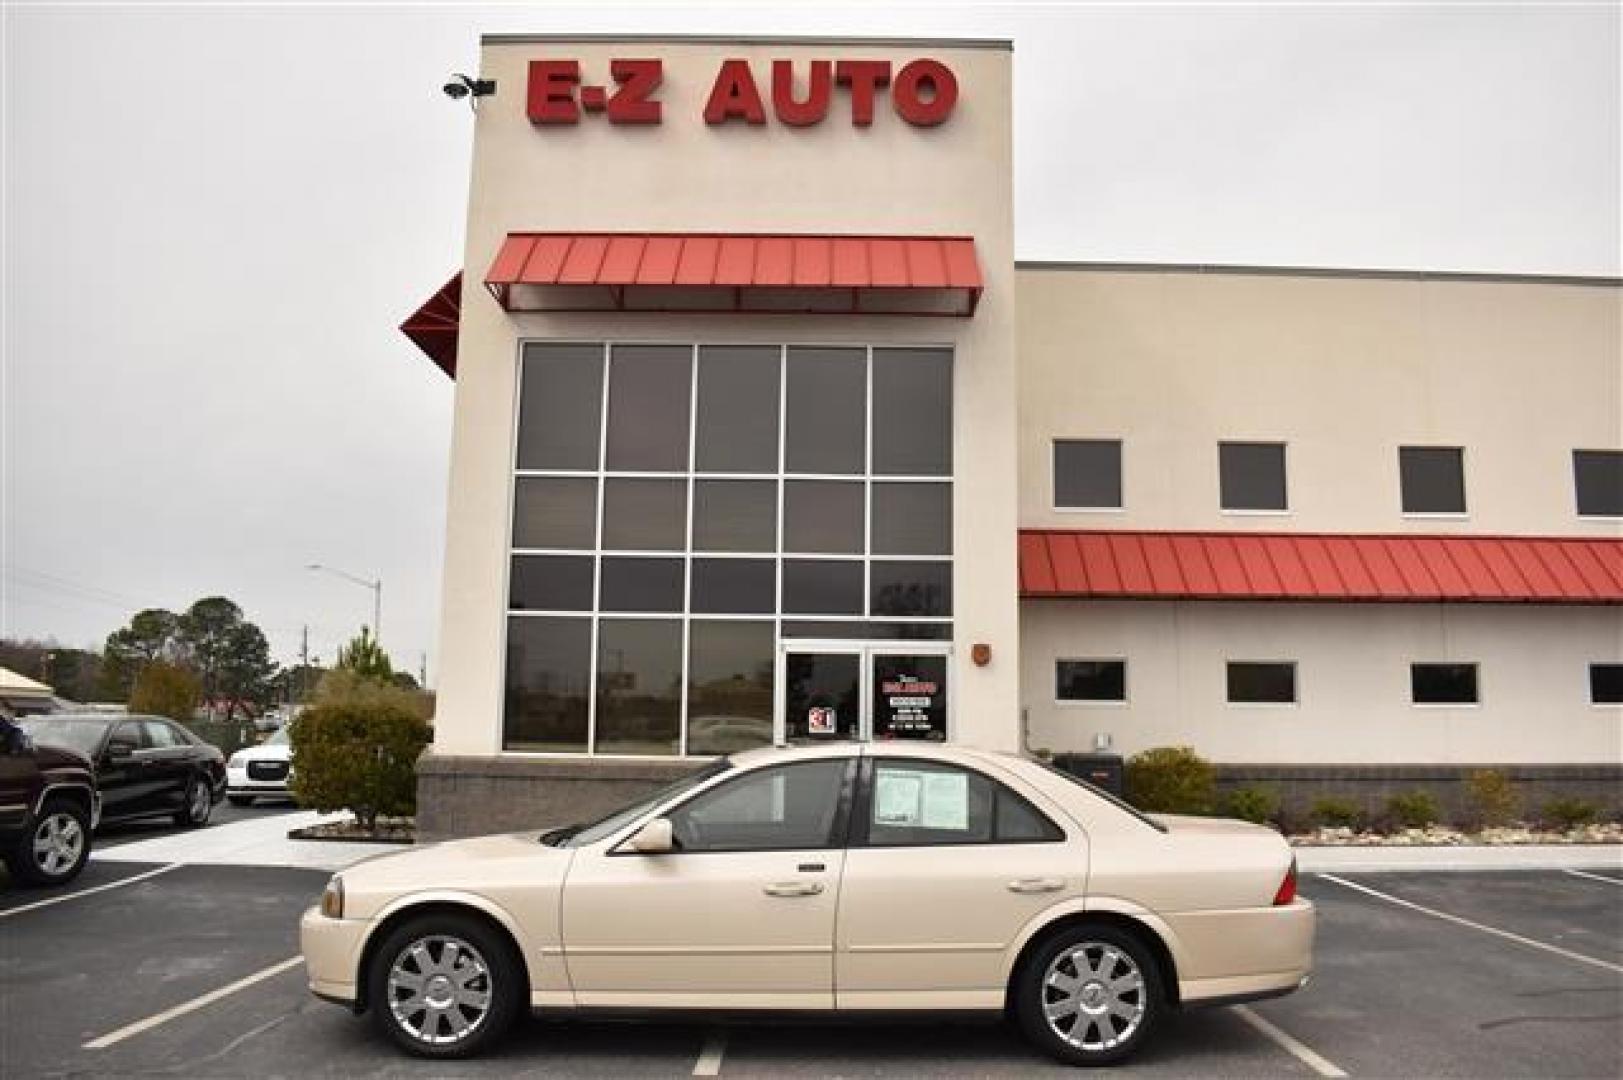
{"type": "Point", "coordinates": [787, 808]}
{"type": "Point", "coordinates": [915, 803]}
{"type": "Point", "coordinates": [160, 735]}
{"type": "Point", "coordinates": [129, 737]}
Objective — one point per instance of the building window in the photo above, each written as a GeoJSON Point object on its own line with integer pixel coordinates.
{"type": "Point", "coordinates": [1443, 684]}
{"type": "Point", "coordinates": [1087, 474]}
{"type": "Point", "coordinates": [679, 510]}
{"type": "Point", "coordinates": [1606, 684]}
{"type": "Point", "coordinates": [1091, 680]}
{"type": "Point", "coordinates": [1251, 476]}
{"type": "Point", "coordinates": [1432, 479]}
{"type": "Point", "coordinates": [1255, 682]}
{"type": "Point", "coordinates": [1597, 476]}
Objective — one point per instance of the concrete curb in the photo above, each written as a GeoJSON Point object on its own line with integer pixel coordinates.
{"type": "Point", "coordinates": [1353, 859]}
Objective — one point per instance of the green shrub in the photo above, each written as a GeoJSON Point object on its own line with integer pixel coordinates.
{"type": "Point", "coordinates": [1568, 813]}
{"type": "Point", "coordinates": [1253, 803]}
{"type": "Point", "coordinates": [1171, 780]}
{"type": "Point", "coordinates": [1413, 809]}
{"type": "Point", "coordinates": [1492, 798]}
{"type": "Point", "coordinates": [1335, 813]}
{"type": "Point", "coordinates": [355, 748]}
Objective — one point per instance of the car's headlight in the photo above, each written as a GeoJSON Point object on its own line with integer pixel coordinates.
{"type": "Point", "coordinates": [332, 900]}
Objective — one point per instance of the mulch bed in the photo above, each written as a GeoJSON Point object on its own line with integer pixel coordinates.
{"type": "Point", "coordinates": [388, 831]}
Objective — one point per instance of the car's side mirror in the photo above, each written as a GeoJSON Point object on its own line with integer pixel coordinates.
{"type": "Point", "coordinates": [16, 740]}
{"type": "Point", "coordinates": [654, 838]}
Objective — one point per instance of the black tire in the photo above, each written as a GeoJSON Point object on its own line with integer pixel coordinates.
{"type": "Point", "coordinates": [62, 830]}
{"type": "Point", "coordinates": [495, 970]}
{"type": "Point", "coordinates": [1105, 987]}
{"type": "Point", "coordinates": [240, 800]}
{"type": "Point", "coordinates": [198, 804]}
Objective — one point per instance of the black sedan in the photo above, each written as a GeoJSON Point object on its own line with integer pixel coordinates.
{"type": "Point", "coordinates": [146, 766]}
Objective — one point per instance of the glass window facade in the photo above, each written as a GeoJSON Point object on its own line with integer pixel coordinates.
{"type": "Point", "coordinates": [681, 511]}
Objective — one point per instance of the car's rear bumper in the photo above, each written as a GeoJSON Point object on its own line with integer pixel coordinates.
{"type": "Point", "coordinates": [1246, 954]}
{"type": "Point", "coordinates": [332, 953]}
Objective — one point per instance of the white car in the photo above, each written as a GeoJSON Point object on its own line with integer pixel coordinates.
{"type": "Point", "coordinates": [261, 770]}
{"type": "Point", "coordinates": [832, 880]}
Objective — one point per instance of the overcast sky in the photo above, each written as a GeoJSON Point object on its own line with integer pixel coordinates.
{"type": "Point", "coordinates": [215, 218]}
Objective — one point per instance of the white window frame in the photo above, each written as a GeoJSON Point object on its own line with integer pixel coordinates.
{"type": "Point", "coordinates": [1480, 695]}
{"type": "Point", "coordinates": [1296, 684]}
{"type": "Point", "coordinates": [1122, 702]}
{"type": "Point", "coordinates": [1572, 462]}
{"type": "Point", "coordinates": [1589, 684]}
{"type": "Point", "coordinates": [1465, 484]}
{"type": "Point", "coordinates": [1053, 474]}
{"type": "Point", "coordinates": [1238, 511]}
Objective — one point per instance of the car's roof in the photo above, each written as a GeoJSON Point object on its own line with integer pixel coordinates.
{"type": "Point", "coordinates": [905, 748]}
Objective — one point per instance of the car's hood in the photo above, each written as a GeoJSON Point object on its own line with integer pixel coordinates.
{"type": "Point", "coordinates": [459, 865]}
{"type": "Point", "coordinates": [265, 752]}
{"type": "Point", "coordinates": [59, 757]}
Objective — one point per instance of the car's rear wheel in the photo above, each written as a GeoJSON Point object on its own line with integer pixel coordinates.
{"type": "Point", "coordinates": [1090, 995]}
{"type": "Point", "coordinates": [56, 848]}
{"type": "Point", "coordinates": [444, 986]}
{"type": "Point", "coordinates": [199, 804]}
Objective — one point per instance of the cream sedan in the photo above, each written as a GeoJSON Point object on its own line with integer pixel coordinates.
{"type": "Point", "coordinates": [829, 879]}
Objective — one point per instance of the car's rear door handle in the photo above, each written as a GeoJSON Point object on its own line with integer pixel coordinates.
{"type": "Point", "coordinates": [793, 888]}
{"type": "Point", "coordinates": [1036, 885]}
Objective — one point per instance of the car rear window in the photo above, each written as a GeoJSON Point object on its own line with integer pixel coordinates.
{"type": "Point", "coordinates": [1119, 804]}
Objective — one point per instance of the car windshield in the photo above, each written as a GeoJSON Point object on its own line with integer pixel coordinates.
{"type": "Point", "coordinates": [80, 734]}
{"type": "Point", "coordinates": [580, 835]}
{"type": "Point", "coordinates": [279, 737]}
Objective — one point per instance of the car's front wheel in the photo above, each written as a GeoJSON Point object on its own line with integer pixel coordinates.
{"type": "Point", "coordinates": [198, 805]}
{"type": "Point", "coordinates": [56, 848]}
{"type": "Point", "coordinates": [444, 986]}
{"type": "Point", "coordinates": [1090, 995]}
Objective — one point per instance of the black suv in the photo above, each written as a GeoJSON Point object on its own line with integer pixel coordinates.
{"type": "Point", "coordinates": [48, 808]}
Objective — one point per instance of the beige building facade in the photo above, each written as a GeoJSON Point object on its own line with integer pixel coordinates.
{"type": "Point", "coordinates": [754, 402]}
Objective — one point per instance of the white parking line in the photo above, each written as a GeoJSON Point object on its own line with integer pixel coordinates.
{"type": "Point", "coordinates": [1306, 1055]}
{"type": "Point", "coordinates": [1494, 930]}
{"type": "Point", "coordinates": [1593, 877]}
{"type": "Point", "coordinates": [131, 880]}
{"type": "Point", "coordinates": [185, 1007]}
{"type": "Point", "coordinates": [709, 1063]}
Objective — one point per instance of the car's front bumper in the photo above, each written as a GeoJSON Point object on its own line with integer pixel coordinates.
{"type": "Point", "coordinates": [238, 782]}
{"type": "Point", "coordinates": [332, 954]}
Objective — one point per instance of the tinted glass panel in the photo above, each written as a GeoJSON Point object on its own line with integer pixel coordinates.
{"type": "Point", "coordinates": [1598, 475]}
{"type": "Point", "coordinates": [554, 512]}
{"type": "Point", "coordinates": [827, 400]}
{"type": "Point", "coordinates": [641, 585]}
{"type": "Point", "coordinates": [823, 516]}
{"type": "Point", "coordinates": [1252, 475]}
{"type": "Point", "coordinates": [560, 406]}
{"type": "Point", "coordinates": [1606, 684]}
{"type": "Point", "coordinates": [1017, 821]}
{"type": "Point", "coordinates": [923, 802]}
{"type": "Point", "coordinates": [735, 515]}
{"type": "Point", "coordinates": [822, 588]}
{"type": "Point", "coordinates": [857, 629]}
{"type": "Point", "coordinates": [789, 808]}
{"type": "Point", "coordinates": [912, 519]}
{"type": "Point", "coordinates": [1087, 473]}
{"type": "Point", "coordinates": [738, 409]}
{"type": "Point", "coordinates": [161, 736]}
{"type": "Point", "coordinates": [821, 696]}
{"type": "Point", "coordinates": [129, 736]}
{"type": "Point", "coordinates": [729, 686]}
{"type": "Point", "coordinates": [910, 697]}
{"type": "Point", "coordinates": [912, 412]}
{"type": "Point", "coordinates": [649, 387]}
{"type": "Point", "coordinates": [548, 679]}
{"type": "Point", "coordinates": [911, 588]}
{"type": "Point", "coordinates": [1443, 684]}
{"type": "Point", "coordinates": [1091, 680]}
{"type": "Point", "coordinates": [645, 515]}
{"type": "Point", "coordinates": [1262, 683]}
{"type": "Point", "coordinates": [1433, 479]}
{"type": "Point", "coordinates": [734, 586]}
{"type": "Point", "coordinates": [551, 583]}
{"type": "Point", "coordinates": [639, 686]}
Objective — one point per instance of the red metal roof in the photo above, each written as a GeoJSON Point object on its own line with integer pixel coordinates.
{"type": "Point", "coordinates": [433, 327]}
{"type": "Point", "coordinates": [896, 275]}
{"type": "Point", "coordinates": [1311, 566]}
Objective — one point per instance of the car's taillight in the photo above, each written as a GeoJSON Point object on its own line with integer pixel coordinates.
{"type": "Point", "coordinates": [1287, 888]}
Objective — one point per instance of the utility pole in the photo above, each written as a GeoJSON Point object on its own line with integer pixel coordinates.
{"type": "Point", "coordinates": [304, 662]}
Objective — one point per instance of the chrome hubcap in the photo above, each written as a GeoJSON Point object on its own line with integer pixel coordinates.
{"type": "Point", "coordinates": [439, 989]}
{"type": "Point", "coordinates": [58, 841]}
{"type": "Point", "coordinates": [1094, 996]}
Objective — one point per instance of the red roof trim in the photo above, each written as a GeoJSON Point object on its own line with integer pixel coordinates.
{"type": "Point", "coordinates": [433, 327]}
{"type": "Point", "coordinates": [1319, 566]}
{"type": "Point", "coordinates": [874, 275]}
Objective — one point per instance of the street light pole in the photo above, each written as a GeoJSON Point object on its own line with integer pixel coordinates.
{"type": "Point", "coordinates": [376, 587]}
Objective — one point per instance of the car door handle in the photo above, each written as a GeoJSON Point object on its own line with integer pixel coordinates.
{"type": "Point", "coordinates": [793, 888]}
{"type": "Point", "coordinates": [1036, 885]}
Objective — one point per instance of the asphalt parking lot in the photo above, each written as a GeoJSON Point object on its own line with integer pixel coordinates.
{"type": "Point", "coordinates": [1468, 974]}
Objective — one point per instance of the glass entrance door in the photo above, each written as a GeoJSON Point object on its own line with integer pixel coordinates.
{"type": "Point", "coordinates": [862, 692]}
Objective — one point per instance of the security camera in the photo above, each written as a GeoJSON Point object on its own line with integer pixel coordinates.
{"type": "Point", "coordinates": [457, 88]}
{"type": "Point", "coordinates": [460, 86]}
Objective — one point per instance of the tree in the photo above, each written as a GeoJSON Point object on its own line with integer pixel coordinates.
{"type": "Point", "coordinates": [152, 635]}
{"type": "Point", "coordinates": [205, 632]}
{"type": "Point", "coordinates": [228, 654]}
{"type": "Point", "coordinates": [165, 689]}
{"type": "Point", "coordinates": [364, 656]}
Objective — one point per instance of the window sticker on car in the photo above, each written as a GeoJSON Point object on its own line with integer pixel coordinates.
{"type": "Point", "coordinates": [946, 801]}
{"type": "Point", "coordinates": [897, 798]}
{"type": "Point", "coordinates": [919, 799]}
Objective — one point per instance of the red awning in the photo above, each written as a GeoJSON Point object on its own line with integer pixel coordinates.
{"type": "Point", "coordinates": [710, 272]}
{"type": "Point", "coordinates": [433, 327]}
{"type": "Point", "coordinates": [1263, 566]}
